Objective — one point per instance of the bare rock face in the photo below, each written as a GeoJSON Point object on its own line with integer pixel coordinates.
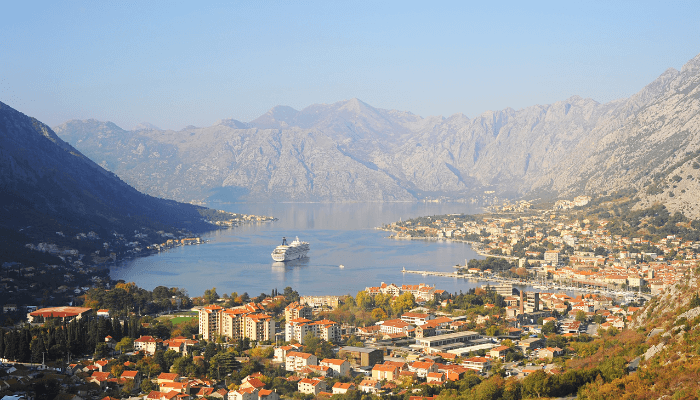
{"type": "Point", "coordinates": [351, 151]}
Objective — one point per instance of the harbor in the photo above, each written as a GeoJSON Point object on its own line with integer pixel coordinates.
{"type": "Point", "coordinates": [544, 287]}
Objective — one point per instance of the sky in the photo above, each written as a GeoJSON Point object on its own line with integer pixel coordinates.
{"type": "Point", "coordinates": [175, 64]}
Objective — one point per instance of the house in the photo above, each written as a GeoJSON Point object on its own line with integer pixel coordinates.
{"type": "Point", "coordinates": [361, 356]}
{"type": "Point", "coordinates": [179, 387]}
{"type": "Point", "coordinates": [453, 372]}
{"type": "Point", "coordinates": [322, 371]}
{"type": "Point", "coordinates": [339, 367]}
{"type": "Point", "coordinates": [156, 395]}
{"type": "Point", "coordinates": [550, 352]}
{"type": "Point", "coordinates": [394, 326]}
{"type": "Point", "coordinates": [499, 352]}
{"type": "Point", "coordinates": [479, 364]}
{"type": "Point", "coordinates": [281, 351]}
{"type": "Point", "coordinates": [295, 360]}
{"type": "Point", "coordinates": [422, 368]}
{"type": "Point", "coordinates": [571, 327]}
{"type": "Point", "coordinates": [148, 344]}
{"type": "Point", "coordinates": [342, 388]}
{"type": "Point", "coordinates": [200, 392]}
{"type": "Point", "coordinates": [418, 319]}
{"type": "Point", "coordinates": [167, 377]}
{"type": "Point", "coordinates": [370, 386]}
{"type": "Point", "coordinates": [252, 382]}
{"type": "Point", "coordinates": [530, 344]}
{"type": "Point", "coordinates": [100, 378]}
{"type": "Point", "coordinates": [436, 378]}
{"type": "Point", "coordinates": [425, 331]}
{"type": "Point", "coordinates": [9, 308]}
{"type": "Point", "coordinates": [384, 371]}
{"type": "Point", "coordinates": [179, 344]}
{"type": "Point", "coordinates": [109, 341]}
{"type": "Point", "coordinates": [101, 365]}
{"type": "Point", "coordinates": [311, 386]}
{"type": "Point", "coordinates": [220, 394]}
{"type": "Point", "coordinates": [243, 394]}
{"type": "Point", "coordinates": [133, 375]}
{"type": "Point", "coordinates": [265, 394]}
{"type": "Point", "coordinates": [369, 330]}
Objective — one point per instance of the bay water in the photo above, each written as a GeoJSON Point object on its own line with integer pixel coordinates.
{"type": "Point", "coordinates": [238, 259]}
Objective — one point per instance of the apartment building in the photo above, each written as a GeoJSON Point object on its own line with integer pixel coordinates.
{"type": "Point", "coordinates": [236, 323]}
{"type": "Point", "coordinates": [297, 329]}
{"type": "Point", "coordinates": [295, 311]}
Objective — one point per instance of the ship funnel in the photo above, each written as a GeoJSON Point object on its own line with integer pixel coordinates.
{"type": "Point", "coordinates": [284, 241]}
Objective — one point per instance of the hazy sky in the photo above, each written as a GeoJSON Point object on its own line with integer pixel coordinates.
{"type": "Point", "coordinates": [193, 63]}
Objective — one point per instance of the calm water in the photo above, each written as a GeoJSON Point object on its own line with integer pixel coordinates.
{"type": "Point", "coordinates": [238, 260]}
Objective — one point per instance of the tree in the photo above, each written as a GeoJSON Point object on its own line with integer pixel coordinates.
{"type": "Point", "coordinates": [129, 386]}
{"type": "Point", "coordinates": [102, 350]}
{"type": "Point", "coordinates": [125, 345]}
{"type": "Point", "coordinates": [154, 370]}
{"type": "Point", "coordinates": [222, 364]}
{"type": "Point", "coordinates": [581, 316]}
{"type": "Point", "coordinates": [147, 386]}
{"type": "Point", "coordinates": [117, 370]}
{"type": "Point", "coordinates": [403, 303]}
{"type": "Point", "coordinates": [613, 368]}
{"type": "Point", "coordinates": [45, 389]}
{"type": "Point", "coordinates": [290, 294]}
{"type": "Point", "coordinates": [184, 366]}
{"type": "Point", "coordinates": [363, 300]}
{"type": "Point", "coordinates": [493, 330]}
{"type": "Point", "coordinates": [37, 347]}
{"type": "Point", "coordinates": [378, 314]}
{"type": "Point", "coordinates": [537, 384]}
{"type": "Point", "coordinates": [549, 327]}
{"type": "Point", "coordinates": [210, 295]}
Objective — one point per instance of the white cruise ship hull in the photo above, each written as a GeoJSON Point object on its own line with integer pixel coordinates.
{"type": "Point", "coordinates": [292, 251]}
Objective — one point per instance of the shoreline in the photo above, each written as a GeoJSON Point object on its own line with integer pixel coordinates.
{"type": "Point", "coordinates": [476, 246]}
{"type": "Point", "coordinates": [553, 289]}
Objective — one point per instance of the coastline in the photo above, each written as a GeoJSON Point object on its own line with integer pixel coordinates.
{"type": "Point", "coordinates": [520, 282]}
{"type": "Point", "coordinates": [476, 246]}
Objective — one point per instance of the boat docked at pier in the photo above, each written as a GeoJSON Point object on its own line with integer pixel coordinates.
{"type": "Point", "coordinates": [292, 251]}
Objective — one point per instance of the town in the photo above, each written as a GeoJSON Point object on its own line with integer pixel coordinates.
{"type": "Point", "coordinates": [555, 247]}
{"type": "Point", "coordinates": [115, 340]}
{"type": "Point", "coordinates": [413, 340]}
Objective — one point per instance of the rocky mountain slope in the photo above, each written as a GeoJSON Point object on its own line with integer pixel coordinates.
{"type": "Point", "coordinates": [659, 346]}
{"type": "Point", "coordinates": [350, 151]}
{"type": "Point", "coordinates": [46, 186]}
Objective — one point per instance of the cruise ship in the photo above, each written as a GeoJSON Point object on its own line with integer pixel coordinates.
{"type": "Point", "coordinates": [291, 251]}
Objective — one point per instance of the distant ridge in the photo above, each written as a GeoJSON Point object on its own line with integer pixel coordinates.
{"type": "Point", "coordinates": [46, 185]}
{"type": "Point", "coordinates": [351, 151]}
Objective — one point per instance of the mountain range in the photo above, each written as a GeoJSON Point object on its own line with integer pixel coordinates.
{"type": "Point", "coordinates": [351, 151]}
{"type": "Point", "coordinates": [50, 192]}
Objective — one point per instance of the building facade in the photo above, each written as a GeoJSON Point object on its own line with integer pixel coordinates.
{"type": "Point", "coordinates": [235, 324]}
